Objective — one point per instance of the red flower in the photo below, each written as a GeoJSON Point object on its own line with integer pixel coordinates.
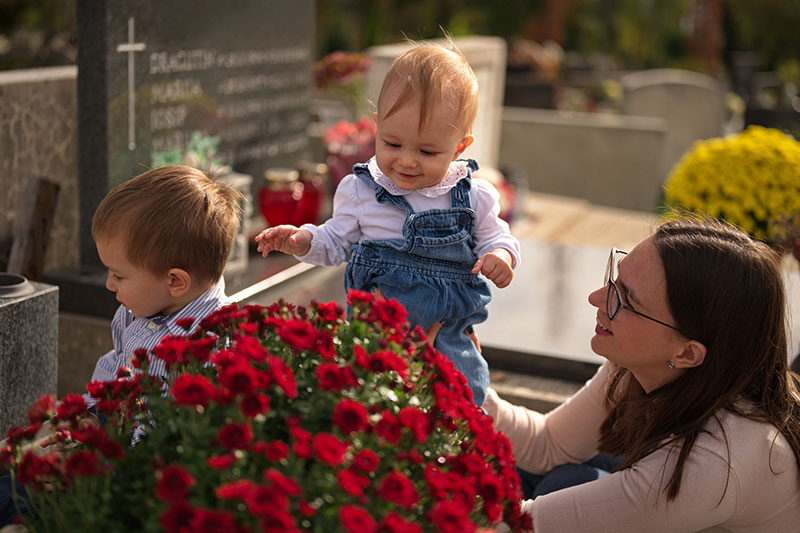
{"type": "Point", "coordinates": [251, 348]}
{"type": "Point", "coordinates": [451, 517]}
{"type": "Point", "coordinates": [388, 427]}
{"type": "Point", "coordinates": [239, 378]}
{"type": "Point", "coordinates": [415, 420]}
{"type": "Point", "coordinates": [83, 463]}
{"type": "Point", "coordinates": [185, 323]}
{"type": "Point", "coordinates": [366, 460]}
{"type": "Point", "coordinates": [255, 404]}
{"type": "Point", "coordinates": [192, 390]}
{"type": "Point", "coordinates": [394, 523]}
{"type": "Point", "coordinates": [307, 509]}
{"type": "Point", "coordinates": [359, 298]}
{"type": "Point", "coordinates": [42, 409]}
{"type": "Point", "coordinates": [329, 449]}
{"type": "Point", "coordinates": [221, 462]}
{"type": "Point", "coordinates": [398, 489]}
{"type": "Point", "coordinates": [235, 436]}
{"type": "Point", "coordinates": [107, 406]}
{"type": "Point", "coordinates": [350, 416]}
{"type": "Point", "coordinates": [328, 312]}
{"type": "Point", "coordinates": [173, 349]}
{"type": "Point", "coordinates": [302, 443]}
{"type": "Point", "coordinates": [355, 519]}
{"type": "Point", "coordinates": [438, 485]}
{"type": "Point", "coordinates": [298, 334]}
{"type": "Point", "coordinates": [70, 407]}
{"type": "Point", "coordinates": [390, 313]}
{"type": "Point", "coordinates": [352, 482]}
{"type": "Point", "coordinates": [212, 521]}
{"type": "Point", "coordinates": [173, 483]}
{"type": "Point", "coordinates": [333, 377]}
{"type": "Point", "coordinates": [279, 481]}
{"type": "Point", "coordinates": [235, 490]}
{"type": "Point", "coordinates": [283, 376]}
{"type": "Point", "coordinates": [277, 450]}
{"type": "Point", "coordinates": [263, 500]}
{"type": "Point", "coordinates": [177, 518]}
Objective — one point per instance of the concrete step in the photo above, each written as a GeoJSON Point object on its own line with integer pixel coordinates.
{"type": "Point", "coordinates": [534, 392]}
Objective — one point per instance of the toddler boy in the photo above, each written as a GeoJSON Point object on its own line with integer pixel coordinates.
{"type": "Point", "coordinates": [164, 237]}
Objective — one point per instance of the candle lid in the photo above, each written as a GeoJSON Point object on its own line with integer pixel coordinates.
{"type": "Point", "coordinates": [14, 285]}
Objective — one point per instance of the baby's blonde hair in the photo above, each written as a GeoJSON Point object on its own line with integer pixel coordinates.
{"type": "Point", "coordinates": [438, 75]}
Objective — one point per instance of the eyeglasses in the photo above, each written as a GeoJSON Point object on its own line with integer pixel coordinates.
{"type": "Point", "coordinates": [614, 301]}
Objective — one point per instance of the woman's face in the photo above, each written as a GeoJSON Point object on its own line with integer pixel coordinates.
{"type": "Point", "coordinates": [642, 346]}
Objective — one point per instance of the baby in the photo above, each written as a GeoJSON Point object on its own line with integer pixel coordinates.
{"type": "Point", "coordinates": [411, 222]}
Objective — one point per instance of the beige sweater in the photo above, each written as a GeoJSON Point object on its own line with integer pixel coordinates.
{"type": "Point", "coordinates": [761, 494]}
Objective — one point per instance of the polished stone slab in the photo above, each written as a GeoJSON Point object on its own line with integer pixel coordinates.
{"type": "Point", "coordinates": [28, 351]}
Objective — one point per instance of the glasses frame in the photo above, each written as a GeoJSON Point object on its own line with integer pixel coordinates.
{"type": "Point", "coordinates": [609, 281]}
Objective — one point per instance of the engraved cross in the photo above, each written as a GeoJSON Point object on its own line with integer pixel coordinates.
{"type": "Point", "coordinates": [130, 47]}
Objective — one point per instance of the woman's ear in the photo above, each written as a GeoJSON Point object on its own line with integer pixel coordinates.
{"type": "Point", "coordinates": [463, 145]}
{"type": "Point", "coordinates": [693, 354]}
{"type": "Point", "coordinates": [179, 281]}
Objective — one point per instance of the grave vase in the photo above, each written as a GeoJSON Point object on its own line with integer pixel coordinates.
{"type": "Point", "coordinates": [28, 346]}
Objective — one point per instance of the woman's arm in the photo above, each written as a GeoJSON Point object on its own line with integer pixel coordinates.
{"type": "Point", "coordinates": [633, 500]}
{"type": "Point", "coordinates": [568, 434]}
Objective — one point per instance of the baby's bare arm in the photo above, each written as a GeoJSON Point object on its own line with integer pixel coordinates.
{"type": "Point", "coordinates": [286, 239]}
{"type": "Point", "coordinates": [496, 265]}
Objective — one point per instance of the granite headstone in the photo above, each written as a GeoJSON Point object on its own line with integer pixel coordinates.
{"type": "Point", "coordinates": [28, 346]}
{"type": "Point", "coordinates": [151, 74]}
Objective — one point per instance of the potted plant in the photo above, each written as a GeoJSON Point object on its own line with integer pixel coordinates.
{"type": "Point", "coordinates": [749, 179]}
{"type": "Point", "coordinates": [277, 418]}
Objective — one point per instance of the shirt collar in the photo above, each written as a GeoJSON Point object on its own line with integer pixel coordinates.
{"type": "Point", "coordinates": [198, 308]}
{"type": "Point", "coordinates": [455, 173]}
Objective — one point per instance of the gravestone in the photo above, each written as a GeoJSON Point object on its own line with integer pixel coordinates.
{"type": "Point", "coordinates": [28, 346]}
{"type": "Point", "coordinates": [153, 78]}
{"type": "Point", "coordinates": [691, 103]}
{"type": "Point", "coordinates": [151, 74]}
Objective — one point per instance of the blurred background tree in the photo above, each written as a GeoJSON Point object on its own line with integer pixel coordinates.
{"type": "Point", "coordinates": [635, 33]}
{"type": "Point", "coordinates": [37, 33]}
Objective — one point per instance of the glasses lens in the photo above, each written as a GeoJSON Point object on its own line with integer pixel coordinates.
{"type": "Point", "coordinates": [612, 301]}
{"type": "Point", "coordinates": [609, 267]}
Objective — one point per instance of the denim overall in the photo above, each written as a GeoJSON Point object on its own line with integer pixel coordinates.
{"type": "Point", "coordinates": [429, 272]}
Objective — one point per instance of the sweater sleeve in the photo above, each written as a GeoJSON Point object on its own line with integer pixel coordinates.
{"type": "Point", "coordinates": [568, 434]}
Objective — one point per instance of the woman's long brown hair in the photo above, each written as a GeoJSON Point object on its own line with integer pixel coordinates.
{"type": "Point", "coordinates": [726, 291]}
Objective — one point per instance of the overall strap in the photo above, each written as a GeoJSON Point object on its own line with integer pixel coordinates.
{"type": "Point", "coordinates": [459, 195]}
{"type": "Point", "coordinates": [381, 195]}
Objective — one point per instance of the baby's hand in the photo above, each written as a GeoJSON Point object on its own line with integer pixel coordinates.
{"type": "Point", "coordinates": [286, 239]}
{"type": "Point", "coordinates": [495, 265]}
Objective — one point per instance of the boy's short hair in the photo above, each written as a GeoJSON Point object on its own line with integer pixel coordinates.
{"type": "Point", "coordinates": [438, 74]}
{"type": "Point", "coordinates": [172, 217]}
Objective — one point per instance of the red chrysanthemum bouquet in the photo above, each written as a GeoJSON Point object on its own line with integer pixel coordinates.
{"type": "Point", "coordinates": [276, 419]}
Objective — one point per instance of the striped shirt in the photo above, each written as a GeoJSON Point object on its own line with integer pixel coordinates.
{"type": "Point", "coordinates": [129, 333]}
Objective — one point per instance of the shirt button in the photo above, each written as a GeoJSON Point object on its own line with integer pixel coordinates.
{"type": "Point", "coordinates": [152, 325]}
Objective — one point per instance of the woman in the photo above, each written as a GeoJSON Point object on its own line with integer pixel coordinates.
{"type": "Point", "coordinates": [696, 397]}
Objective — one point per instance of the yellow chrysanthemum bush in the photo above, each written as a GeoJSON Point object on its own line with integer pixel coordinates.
{"type": "Point", "coordinates": [750, 179]}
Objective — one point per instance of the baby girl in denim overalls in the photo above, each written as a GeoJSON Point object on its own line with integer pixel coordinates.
{"type": "Point", "coordinates": [411, 221]}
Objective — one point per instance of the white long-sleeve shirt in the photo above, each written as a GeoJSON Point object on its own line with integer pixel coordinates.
{"type": "Point", "coordinates": [357, 216]}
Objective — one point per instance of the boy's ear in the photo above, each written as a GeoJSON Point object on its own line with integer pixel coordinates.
{"type": "Point", "coordinates": [464, 144]}
{"type": "Point", "coordinates": [179, 281]}
{"type": "Point", "coordinates": [693, 354]}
